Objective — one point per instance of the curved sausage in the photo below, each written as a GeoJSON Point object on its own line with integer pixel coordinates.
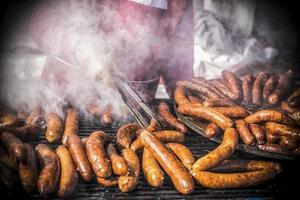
{"type": "Point", "coordinates": [28, 171]}
{"type": "Point", "coordinates": [126, 134]}
{"type": "Point", "coordinates": [257, 90]}
{"type": "Point", "coordinates": [183, 153]}
{"type": "Point", "coordinates": [163, 136]}
{"type": "Point", "coordinates": [288, 143]}
{"type": "Point", "coordinates": [69, 177]}
{"type": "Point", "coordinates": [129, 182]}
{"type": "Point", "coordinates": [218, 155]}
{"type": "Point", "coordinates": [281, 88]}
{"type": "Point", "coordinates": [9, 120]}
{"type": "Point", "coordinates": [14, 146]}
{"type": "Point", "coordinates": [224, 89]}
{"type": "Point", "coordinates": [54, 127]}
{"type": "Point", "coordinates": [118, 163]}
{"type": "Point", "coordinates": [244, 132]}
{"type": "Point", "coordinates": [180, 177]}
{"type": "Point", "coordinates": [152, 171]}
{"type": "Point", "coordinates": [96, 154]}
{"type": "Point", "coordinates": [153, 126]}
{"type": "Point", "coordinates": [48, 178]}
{"type": "Point", "coordinates": [107, 114]}
{"type": "Point", "coordinates": [274, 148]}
{"type": "Point", "coordinates": [107, 182]}
{"type": "Point", "coordinates": [71, 124]}
{"type": "Point", "coordinates": [180, 96]}
{"type": "Point", "coordinates": [247, 82]}
{"type": "Point", "coordinates": [79, 156]}
{"type": "Point", "coordinates": [283, 130]}
{"type": "Point", "coordinates": [234, 83]}
{"type": "Point", "coordinates": [270, 86]}
{"type": "Point", "coordinates": [258, 132]}
{"type": "Point", "coordinates": [194, 99]}
{"type": "Point", "coordinates": [165, 113]}
{"type": "Point", "coordinates": [206, 113]}
{"type": "Point", "coordinates": [233, 112]}
{"type": "Point", "coordinates": [212, 130]}
{"type": "Point", "coordinates": [270, 116]}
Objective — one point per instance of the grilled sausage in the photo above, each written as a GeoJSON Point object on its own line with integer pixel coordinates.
{"type": "Point", "coordinates": [14, 146]}
{"type": "Point", "coordinates": [9, 120]}
{"type": "Point", "coordinates": [282, 86]}
{"type": "Point", "coordinates": [107, 182]}
{"type": "Point", "coordinates": [28, 132]}
{"type": "Point", "coordinates": [183, 153]}
{"type": "Point", "coordinates": [235, 180]}
{"type": "Point", "coordinates": [79, 156]}
{"type": "Point", "coordinates": [247, 82]}
{"type": "Point", "coordinates": [118, 163]}
{"type": "Point", "coordinates": [152, 171]}
{"type": "Point", "coordinates": [274, 148]}
{"type": "Point", "coordinates": [288, 143]}
{"type": "Point", "coordinates": [244, 132]}
{"type": "Point", "coordinates": [233, 112]}
{"type": "Point", "coordinates": [234, 83]}
{"type": "Point", "coordinates": [128, 182]}
{"type": "Point", "coordinates": [107, 117]}
{"type": "Point", "coordinates": [206, 113]}
{"type": "Point", "coordinates": [287, 107]}
{"type": "Point", "coordinates": [224, 89]}
{"type": "Point", "coordinates": [96, 154]}
{"type": "Point", "coordinates": [71, 124]}
{"type": "Point", "coordinates": [6, 160]}
{"type": "Point", "coordinates": [180, 96]}
{"type": "Point", "coordinates": [270, 116]}
{"type": "Point", "coordinates": [218, 155]}
{"type": "Point", "coordinates": [180, 177]}
{"type": "Point", "coordinates": [69, 177]}
{"type": "Point", "coordinates": [270, 86]}
{"type": "Point", "coordinates": [153, 126]}
{"type": "Point", "coordinates": [271, 139]}
{"type": "Point", "coordinates": [36, 117]}
{"type": "Point", "coordinates": [283, 130]}
{"type": "Point", "coordinates": [258, 132]}
{"type": "Point", "coordinates": [28, 171]}
{"type": "Point", "coordinates": [165, 113]}
{"type": "Point", "coordinates": [212, 130]}
{"type": "Point", "coordinates": [163, 136]}
{"type": "Point", "coordinates": [48, 178]}
{"type": "Point", "coordinates": [257, 90]}
{"type": "Point", "coordinates": [54, 127]}
{"type": "Point", "coordinates": [94, 110]}
{"type": "Point", "coordinates": [126, 134]}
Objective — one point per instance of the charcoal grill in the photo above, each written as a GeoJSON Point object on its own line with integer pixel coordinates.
{"type": "Point", "coordinates": [279, 187]}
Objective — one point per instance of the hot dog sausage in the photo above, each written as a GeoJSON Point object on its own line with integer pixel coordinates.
{"type": "Point", "coordinates": [71, 124]}
{"type": "Point", "coordinates": [126, 134]}
{"type": "Point", "coordinates": [69, 177]}
{"type": "Point", "coordinates": [183, 153]}
{"type": "Point", "coordinates": [257, 90]}
{"type": "Point", "coordinates": [54, 127]}
{"type": "Point", "coordinates": [118, 163]}
{"type": "Point", "coordinates": [244, 132]}
{"type": "Point", "coordinates": [28, 132]}
{"type": "Point", "coordinates": [212, 129]}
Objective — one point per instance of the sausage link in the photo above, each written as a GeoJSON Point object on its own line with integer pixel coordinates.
{"type": "Point", "coordinates": [233, 82]}
{"type": "Point", "coordinates": [218, 155]}
{"type": "Point", "coordinates": [106, 116]}
{"type": "Point", "coordinates": [270, 86]}
{"type": "Point", "coordinates": [153, 126]}
{"type": "Point", "coordinates": [71, 124]}
{"type": "Point", "coordinates": [165, 113]}
{"type": "Point", "coordinates": [129, 182]}
{"type": "Point", "coordinates": [126, 134]}
{"type": "Point", "coordinates": [194, 99]}
{"type": "Point", "coordinates": [270, 116]}
{"type": "Point", "coordinates": [212, 130]}
{"type": "Point", "coordinates": [180, 96]}
{"type": "Point", "coordinates": [14, 146]}
{"type": "Point", "coordinates": [36, 117]}
{"type": "Point", "coordinates": [282, 130]}
{"type": "Point", "coordinates": [107, 182]}
{"type": "Point", "coordinates": [69, 177]}
{"type": "Point", "coordinates": [48, 178]}
{"type": "Point", "coordinates": [288, 143]}
{"type": "Point", "coordinates": [257, 90]}
{"type": "Point", "coordinates": [180, 177]}
{"type": "Point", "coordinates": [80, 158]}
{"type": "Point", "coordinates": [247, 82]}
{"type": "Point", "coordinates": [28, 171]}
{"type": "Point", "coordinates": [183, 153]}
{"type": "Point", "coordinates": [244, 132]}
{"type": "Point", "coordinates": [54, 127]}
{"type": "Point", "coordinates": [118, 163]}
{"type": "Point", "coordinates": [96, 154]}
{"type": "Point", "coordinates": [233, 112]}
{"type": "Point", "coordinates": [152, 171]}
{"type": "Point", "coordinates": [224, 89]}
{"type": "Point", "coordinates": [271, 139]}
{"type": "Point", "coordinates": [287, 107]}
{"type": "Point", "coordinates": [258, 132]}
{"type": "Point", "coordinates": [206, 113]}
{"type": "Point", "coordinates": [274, 148]}
{"type": "Point", "coordinates": [28, 132]}
{"type": "Point", "coordinates": [9, 120]}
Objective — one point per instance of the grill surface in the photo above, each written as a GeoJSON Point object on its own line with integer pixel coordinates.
{"type": "Point", "coordinates": [279, 187]}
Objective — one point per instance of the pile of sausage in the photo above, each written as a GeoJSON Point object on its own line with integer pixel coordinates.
{"type": "Point", "coordinates": [259, 107]}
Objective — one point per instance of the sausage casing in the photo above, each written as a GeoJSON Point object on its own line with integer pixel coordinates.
{"type": "Point", "coordinates": [257, 90]}
{"type": "Point", "coordinates": [118, 163]}
{"type": "Point", "coordinates": [54, 127]}
{"type": "Point", "coordinates": [244, 132]}
{"type": "Point", "coordinates": [212, 130]}
{"type": "Point", "coordinates": [258, 132]}
{"type": "Point", "coordinates": [126, 134]}
{"type": "Point", "coordinates": [183, 153]}
{"type": "Point", "coordinates": [247, 82]}
{"type": "Point", "coordinates": [71, 124]}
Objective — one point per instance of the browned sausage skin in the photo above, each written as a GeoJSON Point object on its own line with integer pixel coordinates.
{"type": "Point", "coordinates": [183, 153]}
{"type": "Point", "coordinates": [54, 127]}
{"type": "Point", "coordinates": [244, 132]}
{"type": "Point", "coordinates": [69, 177]}
{"type": "Point", "coordinates": [165, 113]}
{"type": "Point", "coordinates": [257, 90]}
{"type": "Point", "coordinates": [180, 96]}
{"type": "Point", "coordinates": [172, 166]}
{"type": "Point", "coordinates": [107, 117]}
{"type": "Point", "coordinates": [71, 124]}
{"type": "Point", "coordinates": [212, 130]}
{"type": "Point", "coordinates": [118, 163]}
{"type": "Point", "coordinates": [79, 156]}
{"type": "Point", "coordinates": [234, 83]}
{"type": "Point", "coordinates": [247, 82]}
{"type": "Point", "coordinates": [96, 154]}
{"type": "Point", "coordinates": [28, 171]}
{"type": "Point", "coordinates": [152, 171]}
{"type": "Point", "coordinates": [270, 86]}
{"type": "Point", "coordinates": [258, 132]}
{"type": "Point", "coordinates": [282, 130]}
{"type": "Point", "coordinates": [126, 134]}
{"type": "Point", "coordinates": [48, 178]}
